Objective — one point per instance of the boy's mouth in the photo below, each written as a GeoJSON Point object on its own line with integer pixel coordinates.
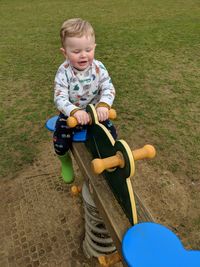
{"type": "Point", "coordinates": [83, 62]}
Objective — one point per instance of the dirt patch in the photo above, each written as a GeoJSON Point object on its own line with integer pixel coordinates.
{"type": "Point", "coordinates": [173, 201]}
{"type": "Point", "coordinates": [43, 225]}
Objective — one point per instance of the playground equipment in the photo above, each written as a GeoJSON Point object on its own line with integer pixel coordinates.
{"type": "Point", "coordinates": [116, 160]}
{"type": "Point", "coordinates": [141, 244]}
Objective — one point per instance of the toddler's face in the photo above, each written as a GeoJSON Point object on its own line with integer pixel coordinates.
{"type": "Point", "coordinates": [80, 51]}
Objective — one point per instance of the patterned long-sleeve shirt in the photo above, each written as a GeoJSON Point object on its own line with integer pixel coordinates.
{"type": "Point", "coordinates": [76, 89]}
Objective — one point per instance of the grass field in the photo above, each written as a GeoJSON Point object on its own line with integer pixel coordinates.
{"type": "Point", "coordinates": [152, 51]}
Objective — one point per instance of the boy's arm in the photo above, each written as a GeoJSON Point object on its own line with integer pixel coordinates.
{"type": "Point", "coordinates": [107, 90]}
{"type": "Point", "coordinates": [61, 94]}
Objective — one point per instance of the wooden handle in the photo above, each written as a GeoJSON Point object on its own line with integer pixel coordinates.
{"type": "Point", "coordinates": [146, 152]}
{"type": "Point", "coordinates": [100, 165]}
{"type": "Point", "coordinates": [72, 121]}
{"type": "Point", "coordinates": [112, 114]}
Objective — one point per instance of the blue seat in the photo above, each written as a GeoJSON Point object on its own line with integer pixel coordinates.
{"type": "Point", "coordinates": [154, 245]}
{"type": "Point", "coordinates": [78, 136]}
{"type": "Point", "coordinates": [51, 123]}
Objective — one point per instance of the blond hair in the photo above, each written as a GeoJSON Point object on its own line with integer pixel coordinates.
{"type": "Point", "coordinates": [75, 27]}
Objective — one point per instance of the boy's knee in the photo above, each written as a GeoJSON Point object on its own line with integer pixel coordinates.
{"type": "Point", "coordinates": [114, 133]}
{"type": "Point", "coordinates": [60, 146]}
{"type": "Point", "coordinates": [111, 128]}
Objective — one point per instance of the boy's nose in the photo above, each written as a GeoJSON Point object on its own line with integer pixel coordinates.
{"type": "Point", "coordinates": [83, 54]}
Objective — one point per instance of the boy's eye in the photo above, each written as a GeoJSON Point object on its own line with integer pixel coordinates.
{"type": "Point", "coordinates": [76, 51]}
{"type": "Point", "coordinates": [88, 50]}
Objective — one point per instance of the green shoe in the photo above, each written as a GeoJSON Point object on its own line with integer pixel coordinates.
{"type": "Point", "coordinates": [67, 172]}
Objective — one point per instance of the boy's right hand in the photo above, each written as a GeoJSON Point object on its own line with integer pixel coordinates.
{"type": "Point", "coordinates": [82, 117]}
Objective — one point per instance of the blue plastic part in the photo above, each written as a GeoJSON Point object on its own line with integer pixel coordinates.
{"type": "Point", "coordinates": [154, 245]}
{"type": "Point", "coordinates": [192, 258]}
{"type": "Point", "coordinates": [80, 136]}
{"type": "Point", "coordinates": [51, 123]}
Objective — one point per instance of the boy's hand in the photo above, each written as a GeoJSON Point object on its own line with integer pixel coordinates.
{"type": "Point", "coordinates": [102, 113]}
{"type": "Point", "coordinates": [82, 117]}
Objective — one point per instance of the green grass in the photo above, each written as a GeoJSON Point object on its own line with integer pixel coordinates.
{"type": "Point", "coordinates": [151, 49]}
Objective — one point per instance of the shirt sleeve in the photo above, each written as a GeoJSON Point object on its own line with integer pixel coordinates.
{"type": "Point", "coordinates": [107, 90]}
{"type": "Point", "coordinates": [61, 92]}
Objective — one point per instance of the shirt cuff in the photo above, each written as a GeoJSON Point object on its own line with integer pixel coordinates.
{"type": "Point", "coordinates": [103, 104]}
{"type": "Point", "coordinates": [74, 111]}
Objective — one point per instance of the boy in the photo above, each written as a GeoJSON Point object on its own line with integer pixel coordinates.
{"type": "Point", "coordinates": [80, 80]}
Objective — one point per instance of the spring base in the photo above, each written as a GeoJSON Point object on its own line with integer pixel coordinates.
{"type": "Point", "coordinates": [97, 241]}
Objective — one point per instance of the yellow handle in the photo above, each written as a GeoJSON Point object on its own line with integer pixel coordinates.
{"type": "Point", "coordinates": [100, 165]}
{"type": "Point", "coordinates": [112, 114]}
{"type": "Point", "coordinates": [146, 152]}
{"type": "Point", "coordinates": [72, 121]}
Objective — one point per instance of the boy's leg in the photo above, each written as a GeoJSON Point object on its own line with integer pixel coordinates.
{"type": "Point", "coordinates": [111, 128]}
{"type": "Point", "coordinates": [67, 171]}
{"type": "Point", "coordinates": [62, 140]}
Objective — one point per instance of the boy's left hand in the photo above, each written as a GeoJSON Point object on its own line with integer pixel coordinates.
{"type": "Point", "coordinates": [102, 113]}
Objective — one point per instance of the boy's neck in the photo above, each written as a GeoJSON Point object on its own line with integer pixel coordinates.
{"type": "Point", "coordinates": [80, 70]}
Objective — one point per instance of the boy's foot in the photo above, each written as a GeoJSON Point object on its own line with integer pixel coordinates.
{"type": "Point", "coordinates": [67, 172]}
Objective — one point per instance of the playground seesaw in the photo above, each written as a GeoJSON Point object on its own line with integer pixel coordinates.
{"type": "Point", "coordinates": [108, 165]}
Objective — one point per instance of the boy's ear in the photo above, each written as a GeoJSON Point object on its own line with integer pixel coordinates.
{"type": "Point", "coordinates": [62, 50]}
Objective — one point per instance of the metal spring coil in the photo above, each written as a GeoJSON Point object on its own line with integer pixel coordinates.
{"type": "Point", "coordinates": [97, 241]}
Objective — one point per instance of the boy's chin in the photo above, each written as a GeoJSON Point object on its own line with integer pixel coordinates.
{"type": "Point", "coordinates": [82, 66]}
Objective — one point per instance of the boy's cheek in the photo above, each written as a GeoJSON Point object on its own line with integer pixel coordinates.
{"type": "Point", "coordinates": [91, 58]}
{"type": "Point", "coordinates": [72, 58]}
